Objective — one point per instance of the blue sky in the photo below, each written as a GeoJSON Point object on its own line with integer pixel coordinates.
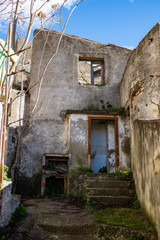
{"type": "Point", "coordinates": [120, 22]}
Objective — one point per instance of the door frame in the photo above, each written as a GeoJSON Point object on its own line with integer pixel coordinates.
{"type": "Point", "coordinates": [115, 119]}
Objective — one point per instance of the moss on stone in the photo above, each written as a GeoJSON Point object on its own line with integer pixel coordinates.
{"type": "Point", "coordinates": [123, 217]}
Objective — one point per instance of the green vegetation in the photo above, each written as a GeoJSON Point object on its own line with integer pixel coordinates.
{"type": "Point", "coordinates": [136, 203]}
{"type": "Point", "coordinates": [92, 202]}
{"type": "Point", "coordinates": [101, 232]}
{"type": "Point", "coordinates": [124, 175]}
{"type": "Point", "coordinates": [100, 85]}
{"type": "Point", "coordinates": [131, 218]}
{"type": "Point", "coordinates": [51, 166]}
{"type": "Point", "coordinates": [93, 107]}
{"type": "Point", "coordinates": [80, 169]}
{"type": "Point", "coordinates": [18, 215]}
{"type": "Point", "coordinates": [138, 236]}
{"type": "Point", "coordinates": [51, 192]}
{"type": "Point", "coordinates": [5, 173]}
{"type": "Point", "coordinates": [109, 108]}
{"type": "Point", "coordinates": [103, 170]}
{"type": "Point", "coordinates": [106, 107]}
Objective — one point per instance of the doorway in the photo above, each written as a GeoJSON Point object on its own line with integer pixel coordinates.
{"type": "Point", "coordinates": [103, 144]}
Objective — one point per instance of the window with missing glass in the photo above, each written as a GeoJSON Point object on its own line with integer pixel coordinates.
{"type": "Point", "coordinates": [91, 72]}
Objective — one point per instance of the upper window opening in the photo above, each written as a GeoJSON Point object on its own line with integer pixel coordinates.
{"type": "Point", "coordinates": [91, 72]}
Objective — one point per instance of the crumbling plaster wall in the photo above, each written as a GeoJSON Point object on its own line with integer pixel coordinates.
{"type": "Point", "coordinates": [140, 89]}
{"type": "Point", "coordinates": [141, 80]}
{"type": "Point", "coordinates": [79, 141]}
{"type": "Point", "coordinates": [146, 166]}
{"type": "Point", "coordinates": [48, 132]}
{"type": "Point", "coordinates": [19, 105]}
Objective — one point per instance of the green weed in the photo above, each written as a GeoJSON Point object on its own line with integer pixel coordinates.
{"type": "Point", "coordinates": [18, 215]}
{"type": "Point", "coordinates": [5, 174]}
{"type": "Point", "coordinates": [101, 232]}
{"type": "Point", "coordinates": [136, 203]}
{"type": "Point", "coordinates": [93, 107]}
{"type": "Point", "coordinates": [123, 217]}
{"type": "Point", "coordinates": [139, 236]}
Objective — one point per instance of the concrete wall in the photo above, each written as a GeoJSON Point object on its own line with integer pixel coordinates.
{"type": "Point", "coordinates": [9, 202]}
{"type": "Point", "coordinates": [48, 131]}
{"type": "Point", "coordinates": [76, 185]}
{"type": "Point", "coordinates": [140, 89]}
{"type": "Point", "coordinates": [79, 141]}
{"type": "Point", "coordinates": [141, 80]}
{"type": "Point", "coordinates": [146, 166]}
{"type": "Point", "coordinates": [19, 104]}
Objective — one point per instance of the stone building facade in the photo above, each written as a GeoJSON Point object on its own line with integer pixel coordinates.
{"type": "Point", "coordinates": [140, 87]}
{"type": "Point", "coordinates": [78, 111]}
{"type": "Point", "coordinates": [79, 117]}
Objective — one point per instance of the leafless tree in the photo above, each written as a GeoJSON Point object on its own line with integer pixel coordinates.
{"type": "Point", "coordinates": [25, 15]}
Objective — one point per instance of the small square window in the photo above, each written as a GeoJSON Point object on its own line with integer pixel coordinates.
{"type": "Point", "coordinates": [91, 72]}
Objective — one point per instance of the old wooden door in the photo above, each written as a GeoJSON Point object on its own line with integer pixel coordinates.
{"type": "Point", "coordinates": [102, 145]}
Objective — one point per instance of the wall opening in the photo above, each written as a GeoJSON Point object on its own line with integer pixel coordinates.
{"type": "Point", "coordinates": [103, 144]}
{"type": "Point", "coordinates": [90, 72]}
{"type": "Point", "coordinates": [54, 185]}
{"type": "Point", "coordinates": [54, 173]}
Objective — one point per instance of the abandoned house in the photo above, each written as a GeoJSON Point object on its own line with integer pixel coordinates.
{"type": "Point", "coordinates": [80, 119]}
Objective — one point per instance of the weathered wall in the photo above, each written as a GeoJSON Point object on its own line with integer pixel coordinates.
{"type": "Point", "coordinates": [48, 131]}
{"type": "Point", "coordinates": [146, 166]}
{"type": "Point", "coordinates": [9, 202]}
{"type": "Point", "coordinates": [141, 81]}
{"type": "Point", "coordinates": [19, 104]}
{"type": "Point", "coordinates": [25, 64]}
{"type": "Point", "coordinates": [140, 88]}
{"type": "Point", "coordinates": [78, 141]}
{"type": "Point", "coordinates": [124, 143]}
{"type": "Point", "coordinates": [76, 185]}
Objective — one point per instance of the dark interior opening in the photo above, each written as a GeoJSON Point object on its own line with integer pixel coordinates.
{"type": "Point", "coordinates": [54, 186]}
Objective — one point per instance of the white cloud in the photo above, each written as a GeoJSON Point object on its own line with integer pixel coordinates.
{"type": "Point", "coordinates": [8, 7]}
{"type": "Point", "coordinates": [7, 11]}
{"type": "Point", "coordinates": [129, 47]}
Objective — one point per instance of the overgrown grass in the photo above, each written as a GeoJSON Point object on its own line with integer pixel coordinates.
{"type": "Point", "coordinates": [123, 217]}
{"type": "Point", "coordinates": [19, 214]}
{"type": "Point", "coordinates": [51, 192]}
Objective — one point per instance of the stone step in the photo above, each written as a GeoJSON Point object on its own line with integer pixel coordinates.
{"type": "Point", "coordinates": [74, 237]}
{"type": "Point", "coordinates": [113, 201]}
{"type": "Point", "coordinates": [114, 232]}
{"type": "Point", "coordinates": [72, 228]}
{"type": "Point", "coordinates": [110, 192]}
{"type": "Point", "coordinates": [93, 183]}
{"type": "Point", "coordinates": [103, 176]}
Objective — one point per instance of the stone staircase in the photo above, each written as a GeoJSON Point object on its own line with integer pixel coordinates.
{"type": "Point", "coordinates": [108, 190]}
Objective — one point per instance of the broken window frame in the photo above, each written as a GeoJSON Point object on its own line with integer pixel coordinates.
{"type": "Point", "coordinates": [94, 61]}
